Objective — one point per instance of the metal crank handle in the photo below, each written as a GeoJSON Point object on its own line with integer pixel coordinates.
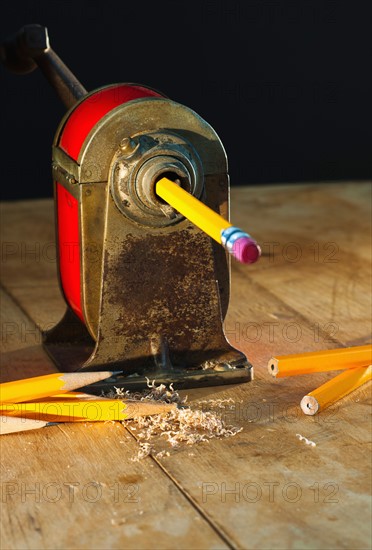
{"type": "Point", "coordinates": [29, 48]}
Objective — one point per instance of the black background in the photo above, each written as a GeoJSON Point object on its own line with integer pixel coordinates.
{"type": "Point", "coordinates": [286, 85]}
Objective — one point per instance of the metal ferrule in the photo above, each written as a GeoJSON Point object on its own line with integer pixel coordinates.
{"type": "Point", "coordinates": [230, 235]}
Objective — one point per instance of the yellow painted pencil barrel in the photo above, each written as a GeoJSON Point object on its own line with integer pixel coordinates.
{"type": "Point", "coordinates": [76, 410]}
{"type": "Point", "coordinates": [335, 389]}
{"type": "Point", "coordinates": [49, 384]}
{"type": "Point", "coordinates": [320, 361]}
{"type": "Point", "coordinates": [238, 243]}
{"type": "Point", "coordinates": [67, 411]}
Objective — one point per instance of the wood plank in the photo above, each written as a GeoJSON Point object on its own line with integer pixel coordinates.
{"type": "Point", "coordinates": [28, 250]}
{"type": "Point", "coordinates": [21, 353]}
{"type": "Point", "coordinates": [76, 487]}
{"type": "Point", "coordinates": [267, 489]}
{"type": "Point", "coordinates": [287, 494]}
{"type": "Point", "coordinates": [318, 253]}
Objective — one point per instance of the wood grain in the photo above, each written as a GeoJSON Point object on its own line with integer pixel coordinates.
{"type": "Point", "coordinates": [263, 488]}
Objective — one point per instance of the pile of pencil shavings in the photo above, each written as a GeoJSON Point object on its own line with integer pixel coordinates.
{"type": "Point", "coordinates": [180, 425]}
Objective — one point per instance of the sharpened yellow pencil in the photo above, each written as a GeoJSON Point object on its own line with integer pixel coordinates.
{"type": "Point", "coordinates": [47, 385]}
{"type": "Point", "coordinates": [335, 389]}
{"type": "Point", "coordinates": [92, 410]}
{"type": "Point", "coordinates": [238, 243]}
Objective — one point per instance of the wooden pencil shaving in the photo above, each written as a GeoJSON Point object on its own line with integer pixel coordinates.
{"type": "Point", "coordinates": [154, 393]}
{"type": "Point", "coordinates": [144, 451]}
{"type": "Point", "coordinates": [214, 404]}
{"type": "Point", "coordinates": [307, 441]}
{"type": "Point", "coordinates": [180, 425]}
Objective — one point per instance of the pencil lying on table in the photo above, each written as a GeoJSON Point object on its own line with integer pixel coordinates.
{"type": "Point", "coordinates": [47, 385]}
{"type": "Point", "coordinates": [94, 409]}
{"type": "Point", "coordinates": [335, 389]}
{"type": "Point", "coordinates": [320, 361]}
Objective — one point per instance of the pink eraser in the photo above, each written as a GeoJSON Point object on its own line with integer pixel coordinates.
{"type": "Point", "coordinates": [246, 250]}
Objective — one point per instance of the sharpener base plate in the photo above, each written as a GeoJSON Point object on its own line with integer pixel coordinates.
{"type": "Point", "coordinates": [181, 379]}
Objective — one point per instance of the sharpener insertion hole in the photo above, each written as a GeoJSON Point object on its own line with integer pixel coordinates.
{"type": "Point", "coordinates": [182, 181]}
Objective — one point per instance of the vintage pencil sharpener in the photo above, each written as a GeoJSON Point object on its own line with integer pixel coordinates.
{"type": "Point", "coordinates": [146, 291]}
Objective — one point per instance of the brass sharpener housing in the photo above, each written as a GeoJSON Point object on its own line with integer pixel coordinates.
{"type": "Point", "coordinates": [154, 288]}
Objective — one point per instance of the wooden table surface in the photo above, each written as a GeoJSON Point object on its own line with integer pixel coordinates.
{"type": "Point", "coordinates": [76, 486]}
